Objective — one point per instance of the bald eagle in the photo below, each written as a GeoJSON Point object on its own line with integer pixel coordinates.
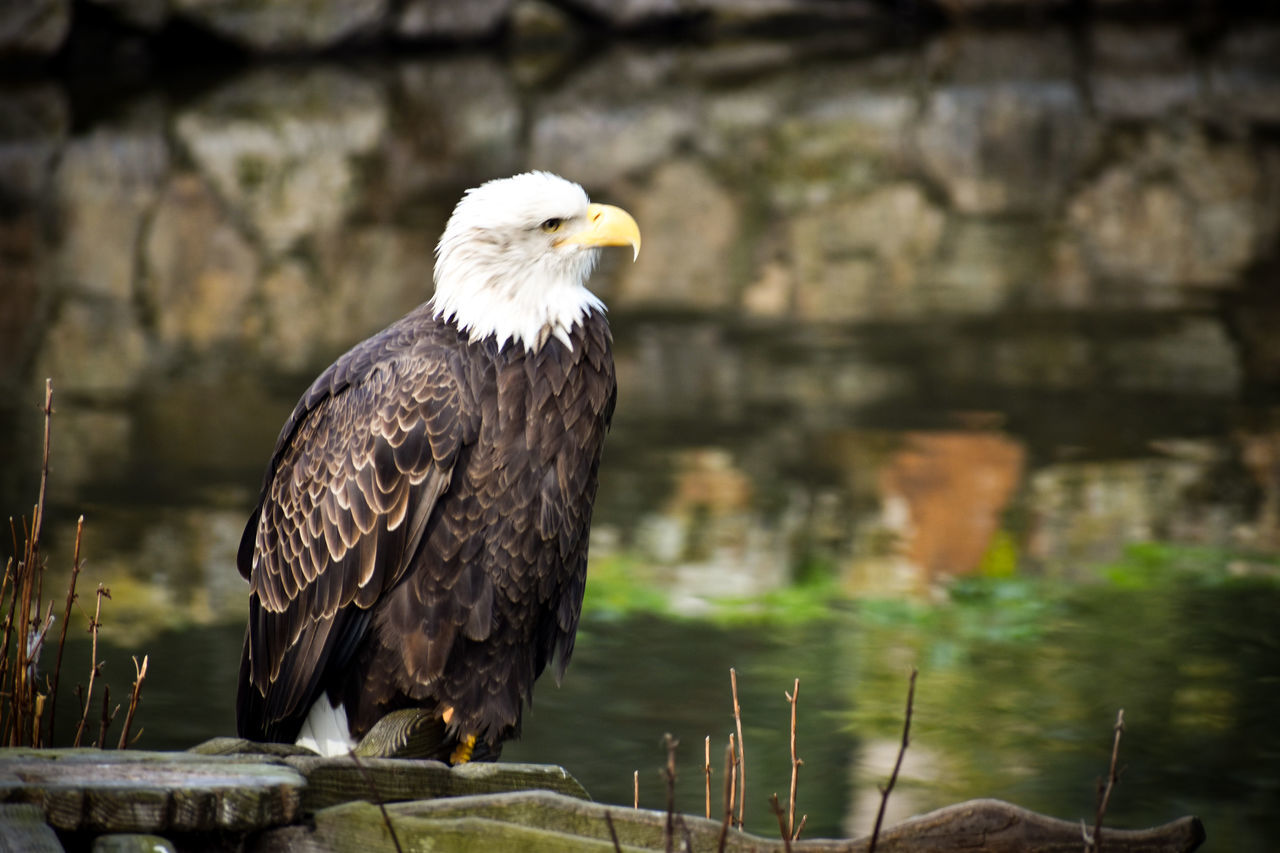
{"type": "Point", "coordinates": [420, 540]}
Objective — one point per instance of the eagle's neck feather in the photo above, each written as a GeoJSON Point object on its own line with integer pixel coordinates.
{"type": "Point", "coordinates": [484, 295]}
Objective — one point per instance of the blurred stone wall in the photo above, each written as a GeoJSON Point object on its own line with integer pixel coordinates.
{"type": "Point", "coordinates": [1070, 233]}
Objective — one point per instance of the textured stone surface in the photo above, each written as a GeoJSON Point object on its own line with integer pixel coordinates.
{"type": "Point", "coordinates": [278, 146]}
{"type": "Point", "coordinates": [447, 19]}
{"type": "Point", "coordinates": [199, 267]}
{"type": "Point", "coordinates": [23, 830]}
{"type": "Point", "coordinates": [1174, 208]}
{"type": "Point", "coordinates": [696, 221]}
{"type": "Point", "coordinates": [108, 182]}
{"type": "Point", "coordinates": [33, 27]}
{"type": "Point", "coordinates": [34, 121]}
{"type": "Point", "coordinates": [284, 25]}
{"type": "Point", "coordinates": [127, 791]}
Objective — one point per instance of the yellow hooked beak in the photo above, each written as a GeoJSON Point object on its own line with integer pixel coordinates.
{"type": "Point", "coordinates": [607, 226]}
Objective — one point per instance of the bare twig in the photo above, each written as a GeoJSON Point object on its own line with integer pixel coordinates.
{"type": "Point", "coordinates": [29, 571]}
{"type": "Point", "coordinates": [897, 765]}
{"type": "Point", "coordinates": [783, 829]}
{"type": "Point", "coordinates": [1094, 844]}
{"type": "Point", "coordinates": [685, 834]}
{"type": "Point", "coordinates": [139, 675]}
{"type": "Point", "coordinates": [795, 762]}
{"type": "Point", "coordinates": [105, 722]}
{"type": "Point", "coordinates": [613, 833]}
{"type": "Point", "coordinates": [37, 520]}
{"type": "Point", "coordinates": [635, 789]}
{"type": "Point", "coordinates": [373, 790]}
{"type": "Point", "coordinates": [670, 773]}
{"type": "Point", "coordinates": [729, 775]}
{"type": "Point", "coordinates": [742, 747]}
{"type": "Point", "coordinates": [102, 592]}
{"type": "Point", "coordinates": [8, 592]}
{"type": "Point", "coordinates": [706, 769]}
{"type": "Point", "coordinates": [66, 620]}
{"type": "Point", "coordinates": [731, 783]}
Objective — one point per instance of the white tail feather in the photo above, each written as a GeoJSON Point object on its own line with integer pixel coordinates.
{"type": "Point", "coordinates": [325, 729]}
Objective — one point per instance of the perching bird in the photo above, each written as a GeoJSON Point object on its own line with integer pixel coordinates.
{"type": "Point", "coordinates": [421, 536]}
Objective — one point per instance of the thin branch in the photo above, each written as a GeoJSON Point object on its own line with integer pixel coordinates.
{"type": "Point", "coordinates": [8, 594]}
{"type": "Point", "coordinates": [897, 765]}
{"type": "Point", "coordinates": [731, 783]}
{"type": "Point", "coordinates": [37, 521]}
{"type": "Point", "coordinates": [635, 789]}
{"type": "Point", "coordinates": [373, 790]}
{"type": "Point", "coordinates": [783, 829]}
{"type": "Point", "coordinates": [742, 747]}
{"type": "Point", "coordinates": [1095, 844]}
{"type": "Point", "coordinates": [795, 762]}
{"type": "Point", "coordinates": [29, 570]}
{"type": "Point", "coordinates": [706, 769]}
{"type": "Point", "coordinates": [102, 592]}
{"type": "Point", "coordinates": [66, 620]}
{"type": "Point", "coordinates": [107, 718]}
{"type": "Point", "coordinates": [139, 675]}
{"type": "Point", "coordinates": [729, 776]}
{"type": "Point", "coordinates": [613, 833]}
{"type": "Point", "coordinates": [670, 773]}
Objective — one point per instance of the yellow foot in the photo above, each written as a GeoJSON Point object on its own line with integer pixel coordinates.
{"type": "Point", "coordinates": [462, 753]}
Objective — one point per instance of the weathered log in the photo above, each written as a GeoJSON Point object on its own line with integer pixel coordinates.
{"type": "Point", "coordinates": [23, 830]}
{"type": "Point", "coordinates": [133, 791]}
{"type": "Point", "coordinates": [241, 746]}
{"type": "Point", "coordinates": [994, 826]}
{"type": "Point", "coordinates": [331, 781]}
{"type": "Point", "coordinates": [541, 820]}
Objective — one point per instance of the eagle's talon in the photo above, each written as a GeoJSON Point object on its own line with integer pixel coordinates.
{"type": "Point", "coordinates": [462, 753]}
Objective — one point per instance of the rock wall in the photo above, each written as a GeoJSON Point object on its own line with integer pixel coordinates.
{"type": "Point", "coordinates": [1078, 236]}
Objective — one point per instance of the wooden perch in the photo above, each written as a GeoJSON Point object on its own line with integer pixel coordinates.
{"type": "Point", "coordinates": [994, 826]}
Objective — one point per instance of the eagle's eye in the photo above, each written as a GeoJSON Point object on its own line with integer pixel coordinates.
{"type": "Point", "coordinates": [552, 225]}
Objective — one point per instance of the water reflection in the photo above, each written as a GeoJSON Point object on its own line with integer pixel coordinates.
{"type": "Point", "coordinates": [999, 304]}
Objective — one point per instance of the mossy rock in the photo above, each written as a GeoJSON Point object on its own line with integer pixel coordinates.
{"type": "Point", "coordinates": [93, 790]}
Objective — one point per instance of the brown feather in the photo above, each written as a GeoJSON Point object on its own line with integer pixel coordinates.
{"type": "Point", "coordinates": [421, 538]}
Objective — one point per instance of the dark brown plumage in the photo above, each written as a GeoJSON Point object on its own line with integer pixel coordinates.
{"type": "Point", "coordinates": [420, 540]}
{"type": "Point", "coordinates": [393, 458]}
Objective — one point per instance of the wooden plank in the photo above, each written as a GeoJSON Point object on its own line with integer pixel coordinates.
{"type": "Point", "coordinates": [23, 830]}
{"type": "Point", "coordinates": [331, 781]}
{"type": "Point", "coordinates": [135, 791]}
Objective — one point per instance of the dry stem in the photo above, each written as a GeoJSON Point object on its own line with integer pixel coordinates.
{"type": "Point", "coordinates": [1094, 844]}
{"type": "Point", "coordinates": [373, 789]}
{"type": "Point", "coordinates": [93, 664]}
{"type": "Point", "coordinates": [731, 784]}
{"type": "Point", "coordinates": [897, 765]}
{"type": "Point", "coordinates": [783, 829]}
{"type": "Point", "coordinates": [139, 675]}
{"type": "Point", "coordinates": [105, 722]}
{"type": "Point", "coordinates": [742, 747]}
{"type": "Point", "coordinates": [66, 620]}
{"type": "Point", "coordinates": [729, 759]}
{"type": "Point", "coordinates": [706, 769]}
{"type": "Point", "coordinates": [635, 789]}
{"type": "Point", "coordinates": [613, 833]}
{"type": "Point", "coordinates": [670, 772]}
{"type": "Point", "coordinates": [792, 829]}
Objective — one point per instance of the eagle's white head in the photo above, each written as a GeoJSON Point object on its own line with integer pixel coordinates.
{"type": "Point", "coordinates": [514, 258]}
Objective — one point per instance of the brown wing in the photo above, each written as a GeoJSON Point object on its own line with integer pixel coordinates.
{"type": "Point", "coordinates": [356, 474]}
